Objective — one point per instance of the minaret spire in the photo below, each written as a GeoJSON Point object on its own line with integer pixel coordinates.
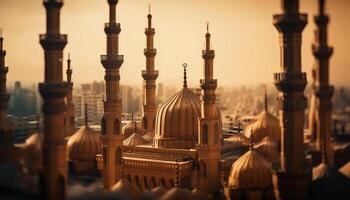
{"type": "Point", "coordinates": [322, 90]}
{"type": "Point", "coordinates": [86, 114]}
{"type": "Point", "coordinates": [291, 175]}
{"type": "Point", "coordinates": [150, 76]}
{"type": "Point", "coordinates": [53, 90]}
{"type": "Point", "coordinates": [69, 113]}
{"type": "Point", "coordinates": [265, 101]}
{"type": "Point", "coordinates": [6, 126]}
{"type": "Point", "coordinates": [111, 120]}
{"type": "Point", "coordinates": [209, 132]}
{"type": "Point", "coordinates": [185, 74]}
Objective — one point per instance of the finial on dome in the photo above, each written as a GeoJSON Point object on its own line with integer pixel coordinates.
{"type": "Point", "coordinates": [321, 6]}
{"type": "Point", "coordinates": [149, 8]}
{"type": "Point", "coordinates": [185, 74]}
{"type": "Point", "coordinates": [86, 114]}
{"type": "Point", "coordinates": [207, 27]}
{"type": "Point", "coordinates": [265, 101]}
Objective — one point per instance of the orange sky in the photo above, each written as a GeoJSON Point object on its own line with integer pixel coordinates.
{"type": "Point", "coordinates": [246, 43]}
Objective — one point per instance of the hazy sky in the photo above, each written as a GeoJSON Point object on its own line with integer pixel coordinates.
{"type": "Point", "coordinates": [246, 43]}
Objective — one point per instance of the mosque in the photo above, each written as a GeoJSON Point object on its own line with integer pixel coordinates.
{"type": "Point", "coordinates": [178, 150]}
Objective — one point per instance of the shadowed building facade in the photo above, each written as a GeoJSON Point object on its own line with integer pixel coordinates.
{"type": "Point", "coordinates": [110, 124]}
{"type": "Point", "coordinates": [53, 178]}
{"type": "Point", "coordinates": [291, 175]}
{"type": "Point", "coordinates": [321, 104]}
{"type": "Point", "coordinates": [149, 75]}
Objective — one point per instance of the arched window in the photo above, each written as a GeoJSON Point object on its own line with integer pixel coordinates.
{"type": "Point", "coordinates": [118, 155]}
{"type": "Point", "coordinates": [137, 181]}
{"type": "Point", "coordinates": [216, 133]}
{"type": "Point", "coordinates": [171, 181]}
{"type": "Point", "coordinates": [128, 177]}
{"type": "Point", "coordinates": [153, 180]}
{"type": "Point", "coordinates": [144, 122]}
{"type": "Point", "coordinates": [162, 182]}
{"type": "Point", "coordinates": [205, 134]}
{"type": "Point", "coordinates": [145, 183]}
{"type": "Point", "coordinates": [116, 127]}
{"type": "Point", "coordinates": [103, 126]}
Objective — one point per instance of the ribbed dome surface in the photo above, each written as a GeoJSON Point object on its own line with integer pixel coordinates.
{"type": "Point", "coordinates": [148, 136]}
{"type": "Point", "coordinates": [130, 128]}
{"type": "Point", "coordinates": [345, 169]}
{"type": "Point", "coordinates": [319, 171]}
{"type": "Point", "coordinates": [177, 120]}
{"type": "Point", "coordinates": [84, 145]}
{"type": "Point", "coordinates": [134, 140]}
{"type": "Point", "coordinates": [34, 142]}
{"type": "Point", "coordinates": [250, 171]}
{"type": "Point", "coordinates": [268, 148]}
{"type": "Point", "coordinates": [238, 138]}
{"type": "Point", "coordinates": [265, 125]}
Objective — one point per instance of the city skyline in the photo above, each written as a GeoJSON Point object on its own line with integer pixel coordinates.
{"type": "Point", "coordinates": [234, 41]}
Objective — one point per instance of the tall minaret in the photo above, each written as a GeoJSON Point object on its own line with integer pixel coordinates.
{"type": "Point", "coordinates": [69, 114]}
{"type": "Point", "coordinates": [209, 136]}
{"type": "Point", "coordinates": [110, 123]}
{"type": "Point", "coordinates": [323, 91]}
{"type": "Point", "coordinates": [291, 175]}
{"type": "Point", "coordinates": [53, 90]}
{"type": "Point", "coordinates": [149, 75]}
{"type": "Point", "coordinates": [6, 127]}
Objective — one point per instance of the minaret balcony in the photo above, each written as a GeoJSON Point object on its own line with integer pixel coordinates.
{"type": "Point", "coordinates": [53, 41]}
{"type": "Point", "coordinates": [53, 3]}
{"type": "Point", "coordinates": [150, 31]}
{"type": "Point", "coordinates": [290, 81]}
{"type": "Point", "coordinates": [150, 74]}
{"type": "Point", "coordinates": [208, 54]}
{"type": "Point", "coordinates": [112, 61]}
{"type": "Point", "coordinates": [290, 23]}
{"type": "Point", "coordinates": [150, 52]}
{"type": "Point", "coordinates": [208, 84]}
{"type": "Point", "coordinates": [321, 51]}
{"type": "Point", "coordinates": [112, 28]}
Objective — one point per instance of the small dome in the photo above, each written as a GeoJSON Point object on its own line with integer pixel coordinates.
{"type": "Point", "coordinates": [177, 120]}
{"type": "Point", "coordinates": [345, 169]}
{"type": "Point", "coordinates": [130, 128]}
{"type": "Point", "coordinates": [265, 125]}
{"type": "Point", "coordinates": [33, 151]}
{"type": "Point", "coordinates": [319, 171]}
{"type": "Point", "coordinates": [238, 138]}
{"type": "Point", "coordinates": [134, 140]}
{"type": "Point", "coordinates": [250, 171]}
{"type": "Point", "coordinates": [268, 148]}
{"type": "Point", "coordinates": [177, 193]}
{"type": "Point", "coordinates": [126, 189]}
{"type": "Point", "coordinates": [34, 142]}
{"type": "Point", "coordinates": [84, 145]}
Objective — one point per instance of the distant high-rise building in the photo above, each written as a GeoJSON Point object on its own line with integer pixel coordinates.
{"type": "Point", "coordinates": [23, 102]}
{"type": "Point", "coordinates": [69, 119]}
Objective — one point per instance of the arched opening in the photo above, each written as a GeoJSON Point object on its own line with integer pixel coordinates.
{"type": "Point", "coordinates": [116, 127]}
{"type": "Point", "coordinates": [171, 182]}
{"type": "Point", "coordinates": [128, 177]}
{"type": "Point", "coordinates": [216, 133]}
{"type": "Point", "coordinates": [145, 183]}
{"type": "Point", "coordinates": [162, 182]}
{"type": "Point", "coordinates": [144, 122]}
{"type": "Point", "coordinates": [61, 188]}
{"type": "Point", "coordinates": [137, 181]}
{"type": "Point", "coordinates": [205, 134]}
{"type": "Point", "coordinates": [153, 181]}
{"type": "Point", "coordinates": [103, 126]}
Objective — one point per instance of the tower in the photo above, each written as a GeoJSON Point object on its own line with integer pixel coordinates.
{"type": "Point", "coordinates": [53, 178]}
{"type": "Point", "coordinates": [209, 127]}
{"type": "Point", "coordinates": [291, 175]}
{"type": "Point", "coordinates": [6, 126]}
{"type": "Point", "coordinates": [69, 114]}
{"type": "Point", "coordinates": [322, 90]}
{"type": "Point", "coordinates": [110, 123]}
{"type": "Point", "coordinates": [149, 75]}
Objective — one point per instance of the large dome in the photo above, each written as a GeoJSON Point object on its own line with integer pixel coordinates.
{"type": "Point", "coordinates": [250, 171]}
{"type": "Point", "coordinates": [266, 125]}
{"type": "Point", "coordinates": [83, 145]}
{"type": "Point", "coordinates": [130, 128]}
{"type": "Point", "coordinates": [177, 120]}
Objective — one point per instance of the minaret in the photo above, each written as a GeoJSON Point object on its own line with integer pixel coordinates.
{"type": "Point", "coordinates": [291, 178]}
{"type": "Point", "coordinates": [149, 75]}
{"type": "Point", "coordinates": [6, 126]}
{"type": "Point", "coordinates": [69, 115]}
{"type": "Point", "coordinates": [110, 123]}
{"type": "Point", "coordinates": [323, 91]}
{"type": "Point", "coordinates": [209, 136]}
{"type": "Point", "coordinates": [53, 178]}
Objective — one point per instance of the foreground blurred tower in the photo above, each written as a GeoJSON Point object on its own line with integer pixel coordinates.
{"type": "Point", "coordinates": [323, 91]}
{"type": "Point", "coordinates": [209, 127]}
{"type": "Point", "coordinates": [291, 178]}
{"type": "Point", "coordinates": [6, 126]}
{"type": "Point", "coordinates": [53, 178]}
{"type": "Point", "coordinates": [110, 123]}
{"type": "Point", "coordinates": [69, 115]}
{"type": "Point", "coordinates": [149, 75]}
